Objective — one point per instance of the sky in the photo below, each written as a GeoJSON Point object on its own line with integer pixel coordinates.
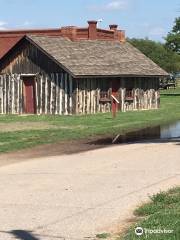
{"type": "Point", "coordinates": [139, 18]}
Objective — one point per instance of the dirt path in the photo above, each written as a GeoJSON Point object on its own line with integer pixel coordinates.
{"type": "Point", "coordinates": [56, 149]}
{"type": "Point", "coordinates": [79, 195]}
{"type": "Point", "coordinates": [66, 147]}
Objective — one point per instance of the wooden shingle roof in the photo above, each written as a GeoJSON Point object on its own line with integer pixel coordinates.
{"type": "Point", "coordinates": [97, 57]}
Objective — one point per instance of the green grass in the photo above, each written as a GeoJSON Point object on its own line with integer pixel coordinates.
{"type": "Point", "coordinates": [103, 235]}
{"type": "Point", "coordinates": [171, 91]}
{"type": "Point", "coordinates": [162, 212]}
{"type": "Point", "coordinates": [75, 127]}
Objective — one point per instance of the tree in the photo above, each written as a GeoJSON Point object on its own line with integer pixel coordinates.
{"type": "Point", "coordinates": [157, 52]}
{"type": "Point", "coordinates": [173, 37]}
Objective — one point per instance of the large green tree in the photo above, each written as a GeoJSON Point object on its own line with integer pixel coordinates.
{"type": "Point", "coordinates": [165, 58]}
{"type": "Point", "coordinates": [173, 37]}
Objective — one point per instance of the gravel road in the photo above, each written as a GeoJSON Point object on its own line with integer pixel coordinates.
{"type": "Point", "coordinates": [77, 196]}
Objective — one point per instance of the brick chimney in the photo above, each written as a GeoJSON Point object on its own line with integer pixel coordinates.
{"type": "Point", "coordinates": [121, 36]}
{"type": "Point", "coordinates": [92, 30]}
{"type": "Point", "coordinates": [70, 32]}
{"type": "Point", "coordinates": [113, 27]}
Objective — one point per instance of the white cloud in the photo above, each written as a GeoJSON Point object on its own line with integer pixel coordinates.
{"type": "Point", "coordinates": [116, 5]}
{"type": "Point", "coordinates": [111, 6]}
{"type": "Point", "coordinates": [3, 25]}
{"type": "Point", "coordinates": [26, 23]}
{"type": "Point", "coordinates": [157, 31]}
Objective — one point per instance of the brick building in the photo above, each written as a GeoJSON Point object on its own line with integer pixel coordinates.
{"type": "Point", "coordinates": [74, 70]}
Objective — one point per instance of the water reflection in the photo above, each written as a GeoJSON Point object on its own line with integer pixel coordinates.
{"type": "Point", "coordinates": [143, 134]}
{"type": "Point", "coordinates": [168, 131]}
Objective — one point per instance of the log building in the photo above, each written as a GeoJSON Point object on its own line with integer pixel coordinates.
{"type": "Point", "coordinates": [75, 71]}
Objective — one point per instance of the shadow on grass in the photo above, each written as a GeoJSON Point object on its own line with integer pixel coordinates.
{"type": "Point", "coordinates": [170, 94]}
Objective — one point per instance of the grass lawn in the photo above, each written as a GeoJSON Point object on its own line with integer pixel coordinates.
{"type": "Point", "coordinates": [17, 132]}
{"type": "Point", "coordinates": [162, 212]}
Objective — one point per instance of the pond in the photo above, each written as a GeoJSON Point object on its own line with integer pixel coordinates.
{"type": "Point", "coordinates": [169, 131]}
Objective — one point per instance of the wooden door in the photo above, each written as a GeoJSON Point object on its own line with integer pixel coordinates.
{"type": "Point", "coordinates": [115, 86]}
{"type": "Point", "coordinates": [29, 95]}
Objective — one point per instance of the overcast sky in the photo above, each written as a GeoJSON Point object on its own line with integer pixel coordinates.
{"type": "Point", "coordinates": [140, 18]}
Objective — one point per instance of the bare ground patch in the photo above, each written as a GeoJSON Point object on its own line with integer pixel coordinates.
{"type": "Point", "coordinates": [21, 126]}
{"type": "Point", "coordinates": [18, 126]}
{"type": "Point", "coordinates": [54, 149]}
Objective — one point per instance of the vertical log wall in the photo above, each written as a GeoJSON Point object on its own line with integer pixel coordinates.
{"type": "Point", "coordinates": [88, 94]}
{"type": "Point", "coordinates": [53, 94]}
{"type": "Point", "coordinates": [58, 93]}
{"type": "Point", "coordinates": [11, 99]}
{"type": "Point", "coordinates": [141, 100]}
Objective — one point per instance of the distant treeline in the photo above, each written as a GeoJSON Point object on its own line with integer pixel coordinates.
{"type": "Point", "coordinates": [159, 53]}
{"type": "Point", "coordinates": [166, 55]}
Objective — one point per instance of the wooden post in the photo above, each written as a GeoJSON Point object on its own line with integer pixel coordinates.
{"type": "Point", "coordinates": [66, 97]}
{"type": "Point", "coordinates": [8, 95]}
{"type": "Point", "coordinates": [12, 94]}
{"type": "Point", "coordinates": [36, 90]}
{"type": "Point", "coordinates": [80, 99]}
{"type": "Point", "coordinates": [41, 93]}
{"type": "Point", "coordinates": [21, 96]}
{"type": "Point", "coordinates": [98, 98]}
{"type": "Point", "coordinates": [57, 90]}
{"type": "Point", "coordinates": [94, 96]}
{"type": "Point", "coordinates": [70, 93]}
{"type": "Point", "coordinates": [46, 95]}
{"type": "Point", "coordinates": [156, 99]}
{"type": "Point", "coordinates": [51, 93]}
{"type": "Point", "coordinates": [115, 102]}
{"type": "Point", "coordinates": [88, 95]}
{"type": "Point", "coordinates": [5, 93]}
{"type": "Point", "coordinates": [91, 95]}
{"type": "Point", "coordinates": [18, 100]}
{"type": "Point", "coordinates": [60, 93]}
{"type": "Point", "coordinates": [83, 96]}
{"type": "Point", "coordinates": [77, 97]}
{"type": "Point", "coordinates": [123, 94]}
{"type": "Point", "coordinates": [63, 93]}
{"type": "Point", "coordinates": [1, 93]}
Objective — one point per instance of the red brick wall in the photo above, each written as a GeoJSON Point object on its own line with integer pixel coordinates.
{"type": "Point", "coordinates": [9, 38]}
{"type": "Point", "coordinates": [6, 43]}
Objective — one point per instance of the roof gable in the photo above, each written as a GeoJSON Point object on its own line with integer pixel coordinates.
{"type": "Point", "coordinates": [19, 44]}
{"type": "Point", "coordinates": [96, 57]}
